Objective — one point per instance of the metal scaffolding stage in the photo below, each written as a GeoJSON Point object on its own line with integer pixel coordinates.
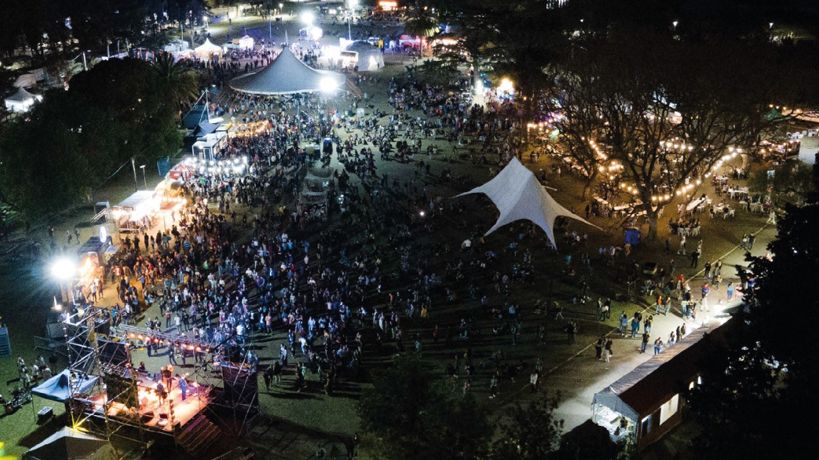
{"type": "Point", "coordinates": [146, 402]}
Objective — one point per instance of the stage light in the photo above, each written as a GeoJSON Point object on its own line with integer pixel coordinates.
{"type": "Point", "coordinates": [328, 85]}
{"type": "Point", "coordinates": [63, 269]}
{"type": "Point", "coordinates": [307, 17]}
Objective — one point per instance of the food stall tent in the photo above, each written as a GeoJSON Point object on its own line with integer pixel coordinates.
{"type": "Point", "coordinates": [134, 212]}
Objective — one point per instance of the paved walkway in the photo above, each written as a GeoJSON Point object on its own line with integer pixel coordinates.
{"type": "Point", "coordinates": [575, 408]}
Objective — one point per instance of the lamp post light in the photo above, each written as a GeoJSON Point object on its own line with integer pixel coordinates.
{"type": "Point", "coordinates": [144, 180]}
{"type": "Point", "coordinates": [351, 6]}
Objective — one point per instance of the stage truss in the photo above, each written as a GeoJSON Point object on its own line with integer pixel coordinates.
{"type": "Point", "coordinates": [95, 348]}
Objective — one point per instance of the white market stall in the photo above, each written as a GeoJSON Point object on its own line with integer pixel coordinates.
{"type": "Point", "coordinates": [207, 50]}
{"type": "Point", "coordinates": [209, 145]}
{"type": "Point", "coordinates": [246, 42]}
{"type": "Point", "coordinates": [135, 212]}
{"type": "Point", "coordinates": [367, 57]}
{"type": "Point", "coordinates": [21, 101]}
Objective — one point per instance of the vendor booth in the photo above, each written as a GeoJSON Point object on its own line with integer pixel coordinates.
{"type": "Point", "coordinates": [210, 145]}
{"type": "Point", "coordinates": [245, 43]}
{"type": "Point", "coordinates": [135, 212]}
{"type": "Point", "coordinates": [365, 57]}
{"type": "Point", "coordinates": [649, 401]}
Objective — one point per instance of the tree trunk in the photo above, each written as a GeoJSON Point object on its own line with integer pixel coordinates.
{"type": "Point", "coordinates": [651, 217]}
{"type": "Point", "coordinates": [588, 184]}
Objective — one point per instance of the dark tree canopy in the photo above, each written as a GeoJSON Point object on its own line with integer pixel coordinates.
{"type": "Point", "coordinates": [74, 140]}
{"type": "Point", "coordinates": [415, 417]}
{"type": "Point", "coordinates": [757, 402]}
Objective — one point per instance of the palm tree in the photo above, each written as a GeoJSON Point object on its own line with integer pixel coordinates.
{"type": "Point", "coordinates": [178, 82]}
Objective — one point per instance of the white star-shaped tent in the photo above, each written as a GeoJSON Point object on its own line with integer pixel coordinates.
{"type": "Point", "coordinates": [517, 194]}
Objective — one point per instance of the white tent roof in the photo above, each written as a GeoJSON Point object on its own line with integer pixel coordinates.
{"type": "Point", "coordinates": [285, 75]}
{"type": "Point", "coordinates": [21, 96]}
{"type": "Point", "coordinates": [518, 195]}
{"type": "Point", "coordinates": [21, 100]}
{"type": "Point", "coordinates": [208, 48]}
{"type": "Point", "coordinates": [136, 198]}
{"type": "Point", "coordinates": [26, 80]}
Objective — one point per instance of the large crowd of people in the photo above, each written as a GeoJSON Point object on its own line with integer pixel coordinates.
{"type": "Point", "coordinates": [247, 261]}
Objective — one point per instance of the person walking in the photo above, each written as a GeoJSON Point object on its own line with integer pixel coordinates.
{"type": "Point", "coordinates": [729, 292]}
{"type": "Point", "coordinates": [623, 323]}
{"type": "Point", "coordinates": [268, 377]}
{"type": "Point", "coordinates": [635, 325]}
{"type": "Point", "coordinates": [644, 342]}
{"type": "Point", "coordinates": [658, 346]}
{"type": "Point", "coordinates": [598, 348]}
{"type": "Point", "coordinates": [607, 351]}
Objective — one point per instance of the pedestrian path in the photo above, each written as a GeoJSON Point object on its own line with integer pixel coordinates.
{"type": "Point", "coordinates": [575, 407]}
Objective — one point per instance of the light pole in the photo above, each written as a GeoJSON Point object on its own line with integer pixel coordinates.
{"type": "Point", "coordinates": [133, 167]}
{"type": "Point", "coordinates": [351, 6]}
{"type": "Point", "coordinates": [144, 180]}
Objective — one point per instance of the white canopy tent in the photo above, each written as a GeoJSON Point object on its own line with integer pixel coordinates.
{"type": "Point", "coordinates": [207, 50]}
{"type": "Point", "coordinates": [30, 78]}
{"type": "Point", "coordinates": [21, 101]}
{"type": "Point", "coordinates": [26, 80]}
{"type": "Point", "coordinates": [518, 195]}
{"type": "Point", "coordinates": [287, 75]}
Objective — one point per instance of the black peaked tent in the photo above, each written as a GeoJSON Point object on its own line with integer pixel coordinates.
{"type": "Point", "coordinates": [286, 75]}
{"type": "Point", "coordinates": [69, 444]}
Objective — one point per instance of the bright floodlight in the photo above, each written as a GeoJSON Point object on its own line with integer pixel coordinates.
{"type": "Point", "coordinates": [328, 85]}
{"type": "Point", "coordinates": [352, 4]}
{"type": "Point", "coordinates": [62, 269]}
{"type": "Point", "coordinates": [506, 86]}
{"type": "Point", "coordinates": [307, 17]}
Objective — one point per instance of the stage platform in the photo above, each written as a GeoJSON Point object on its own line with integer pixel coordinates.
{"type": "Point", "coordinates": [154, 413]}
